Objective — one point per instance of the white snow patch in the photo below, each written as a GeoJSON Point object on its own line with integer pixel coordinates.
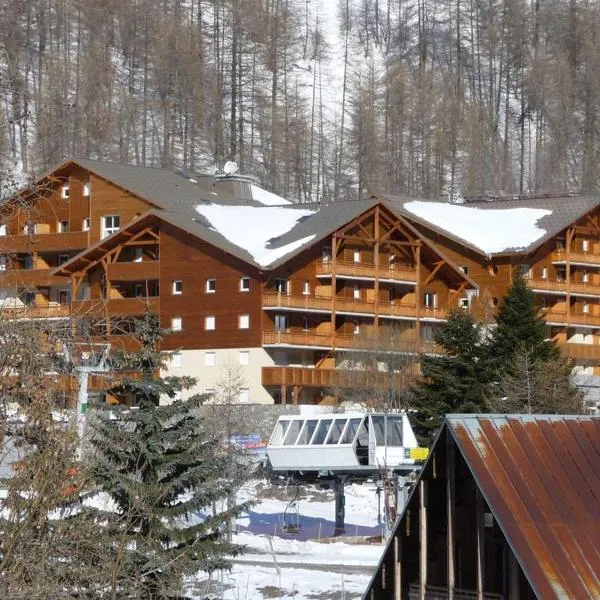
{"type": "Point", "coordinates": [267, 198]}
{"type": "Point", "coordinates": [252, 227]}
{"type": "Point", "coordinates": [490, 230]}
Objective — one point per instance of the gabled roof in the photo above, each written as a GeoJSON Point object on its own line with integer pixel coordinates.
{"type": "Point", "coordinates": [520, 225]}
{"type": "Point", "coordinates": [540, 476]}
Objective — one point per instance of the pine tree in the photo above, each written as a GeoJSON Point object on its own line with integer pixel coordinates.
{"type": "Point", "coordinates": [518, 325]}
{"type": "Point", "coordinates": [453, 382]}
{"type": "Point", "coordinates": [161, 468]}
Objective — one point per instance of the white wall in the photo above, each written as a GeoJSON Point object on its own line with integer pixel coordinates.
{"type": "Point", "coordinates": [193, 364]}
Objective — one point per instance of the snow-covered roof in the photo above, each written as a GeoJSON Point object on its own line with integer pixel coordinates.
{"type": "Point", "coordinates": [257, 229]}
{"type": "Point", "coordinates": [267, 198]}
{"type": "Point", "coordinates": [491, 230]}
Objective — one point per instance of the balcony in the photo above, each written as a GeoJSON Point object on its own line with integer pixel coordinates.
{"type": "Point", "coordinates": [352, 270]}
{"type": "Point", "coordinates": [31, 278]}
{"type": "Point", "coordinates": [116, 306]}
{"type": "Point", "coordinates": [133, 271]}
{"type": "Point", "coordinates": [329, 378]}
{"type": "Point", "coordinates": [324, 304]}
{"type": "Point", "coordinates": [580, 351]}
{"type": "Point", "coordinates": [575, 258]}
{"type": "Point", "coordinates": [312, 339]}
{"type": "Point", "coordinates": [51, 311]}
{"type": "Point", "coordinates": [551, 286]}
{"type": "Point", "coordinates": [560, 317]}
{"type": "Point", "coordinates": [44, 242]}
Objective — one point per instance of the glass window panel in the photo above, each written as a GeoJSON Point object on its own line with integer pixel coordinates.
{"type": "Point", "coordinates": [336, 431]}
{"type": "Point", "coordinates": [279, 432]}
{"type": "Point", "coordinates": [307, 431]}
{"type": "Point", "coordinates": [292, 433]}
{"type": "Point", "coordinates": [350, 432]}
{"type": "Point", "coordinates": [379, 430]}
{"type": "Point", "coordinates": [394, 431]}
{"type": "Point", "coordinates": [321, 431]}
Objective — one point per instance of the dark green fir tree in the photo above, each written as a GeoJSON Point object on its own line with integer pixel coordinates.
{"type": "Point", "coordinates": [164, 473]}
{"type": "Point", "coordinates": [453, 382]}
{"type": "Point", "coordinates": [519, 326]}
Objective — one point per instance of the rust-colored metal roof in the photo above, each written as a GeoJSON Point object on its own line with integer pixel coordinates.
{"type": "Point", "coordinates": [540, 475]}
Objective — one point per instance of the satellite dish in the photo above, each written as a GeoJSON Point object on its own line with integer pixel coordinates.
{"type": "Point", "coordinates": [230, 168]}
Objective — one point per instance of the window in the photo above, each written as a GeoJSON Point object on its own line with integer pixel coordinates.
{"type": "Point", "coordinates": [326, 255]}
{"type": "Point", "coordinates": [356, 330]}
{"type": "Point", "coordinates": [586, 307]}
{"type": "Point", "coordinates": [211, 286]}
{"type": "Point", "coordinates": [62, 259]}
{"type": "Point", "coordinates": [86, 189]}
{"type": "Point", "coordinates": [430, 299]}
{"type": "Point", "coordinates": [177, 288]}
{"type": "Point", "coordinates": [525, 271]}
{"type": "Point", "coordinates": [63, 226]}
{"type": "Point", "coordinates": [210, 359]}
{"type": "Point", "coordinates": [85, 224]}
{"type": "Point", "coordinates": [64, 297]}
{"type": "Point", "coordinates": [244, 357]}
{"type": "Point", "coordinates": [561, 273]}
{"type": "Point", "coordinates": [244, 322]}
{"type": "Point", "coordinates": [245, 284]}
{"type": "Point", "coordinates": [427, 333]}
{"type": "Point", "coordinates": [356, 294]}
{"type": "Point", "coordinates": [585, 245]}
{"type": "Point", "coordinates": [560, 244]}
{"type": "Point", "coordinates": [306, 288]}
{"type": "Point", "coordinates": [544, 272]}
{"type": "Point", "coordinates": [64, 193]}
{"type": "Point", "coordinates": [176, 323]}
{"type": "Point", "coordinates": [464, 269]}
{"type": "Point", "coordinates": [110, 224]}
{"type": "Point", "coordinates": [304, 324]}
{"type": "Point", "coordinates": [282, 322]}
{"type": "Point", "coordinates": [210, 323]}
{"type": "Point", "coordinates": [139, 290]}
{"type": "Point", "coordinates": [138, 254]}
{"type": "Point", "coordinates": [2, 229]}
{"type": "Point", "coordinates": [463, 303]}
{"type": "Point", "coordinates": [586, 277]}
{"type": "Point", "coordinates": [244, 396]}
{"type": "Point", "coordinates": [177, 359]}
{"type": "Point", "coordinates": [282, 286]}
{"type": "Point", "coordinates": [3, 262]}
{"type": "Point", "coordinates": [357, 256]}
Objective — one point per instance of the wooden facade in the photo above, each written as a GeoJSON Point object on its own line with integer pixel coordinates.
{"type": "Point", "coordinates": [89, 248]}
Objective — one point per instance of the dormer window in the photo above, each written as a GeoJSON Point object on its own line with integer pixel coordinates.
{"type": "Point", "coordinates": [64, 192]}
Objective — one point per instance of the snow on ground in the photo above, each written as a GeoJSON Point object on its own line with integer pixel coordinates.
{"type": "Point", "coordinates": [491, 230]}
{"type": "Point", "coordinates": [252, 228]}
{"type": "Point", "coordinates": [299, 566]}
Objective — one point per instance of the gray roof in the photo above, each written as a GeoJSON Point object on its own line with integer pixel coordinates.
{"type": "Point", "coordinates": [565, 210]}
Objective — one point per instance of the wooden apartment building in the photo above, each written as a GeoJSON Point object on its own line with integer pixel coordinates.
{"type": "Point", "coordinates": [275, 292]}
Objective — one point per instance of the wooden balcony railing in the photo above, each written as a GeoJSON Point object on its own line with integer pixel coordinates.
{"type": "Point", "coordinates": [51, 311]}
{"type": "Point", "coordinates": [547, 285]}
{"type": "Point", "coordinates": [116, 306]}
{"type": "Point", "coordinates": [133, 271]}
{"type": "Point", "coordinates": [31, 278]}
{"type": "Point", "coordinates": [573, 318]}
{"type": "Point", "coordinates": [581, 351]}
{"type": "Point", "coordinates": [351, 305]}
{"type": "Point", "coordinates": [44, 242]}
{"type": "Point", "coordinates": [361, 270]}
{"type": "Point", "coordinates": [434, 592]}
{"type": "Point", "coordinates": [587, 258]}
{"type": "Point", "coordinates": [329, 378]}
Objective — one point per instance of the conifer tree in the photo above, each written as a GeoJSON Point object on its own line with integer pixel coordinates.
{"type": "Point", "coordinates": [453, 382]}
{"type": "Point", "coordinates": [161, 468]}
{"type": "Point", "coordinates": [518, 325]}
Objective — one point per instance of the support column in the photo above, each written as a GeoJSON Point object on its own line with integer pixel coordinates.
{"type": "Point", "coordinates": [398, 566]}
{"type": "Point", "coordinates": [570, 233]}
{"type": "Point", "coordinates": [376, 235]}
{"type": "Point", "coordinates": [283, 393]}
{"type": "Point", "coordinates": [513, 575]}
{"type": "Point", "coordinates": [334, 251]}
{"type": "Point", "coordinates": [340, 506]}
{"type": "Point", "coordinates": [422, 539]}
{"type": "Point", "coordinates": [480, 543]}
{"type": "Point", "coordinates": [417, 253]}
{"type": "Point", "coordinates": [451, 511]}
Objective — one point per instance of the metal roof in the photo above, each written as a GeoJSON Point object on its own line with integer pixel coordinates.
{"type": "Point", "coordinates": [565, 210]}
{"type": "Point", "coordinates": [540, 476]}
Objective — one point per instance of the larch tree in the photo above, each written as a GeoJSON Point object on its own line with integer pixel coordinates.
{"type": "Point", "coordinates": [163, 471]}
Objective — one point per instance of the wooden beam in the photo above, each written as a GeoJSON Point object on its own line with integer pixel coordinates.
{"type": "Point", "coordinates": [438, 266]}
{"type": "Point", "coordinates": [397, 567]}
{"type": "Point", "coordinates": [422, 539]}
{"type": "Point", "coordinates": [480, 545]}
{"type": "Point", "coordinates": [450, 511]}
{"type": "Point", "coordinates": [376, 261]}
